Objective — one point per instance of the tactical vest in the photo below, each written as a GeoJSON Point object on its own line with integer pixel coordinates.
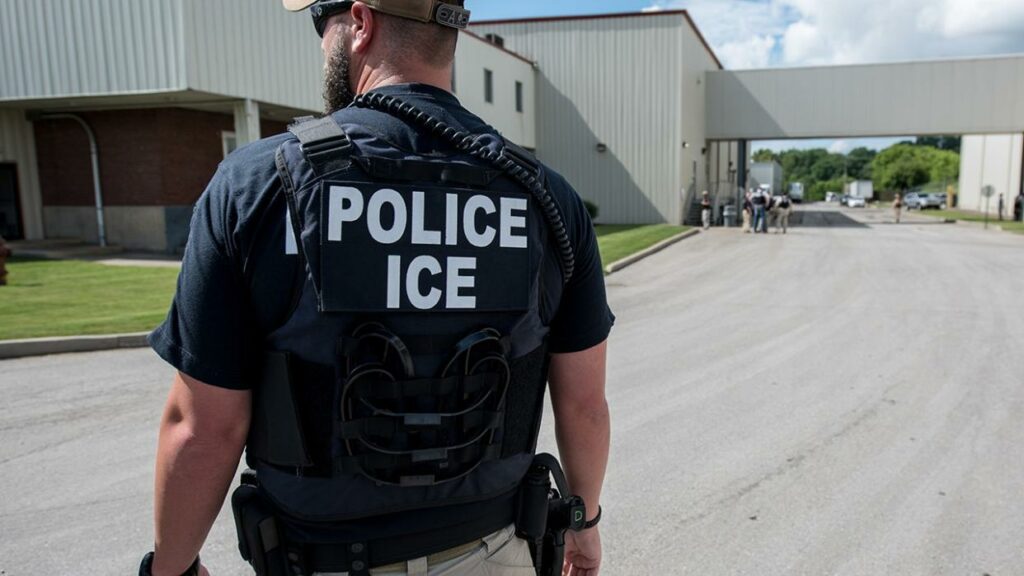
{"type": "Point", "coordinates": [411, 373]}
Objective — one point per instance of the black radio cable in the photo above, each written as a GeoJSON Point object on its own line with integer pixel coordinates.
{"type": "Point", "coordinates": [469, 144]}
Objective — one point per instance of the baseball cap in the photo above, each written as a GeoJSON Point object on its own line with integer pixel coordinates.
{"type": "Point", "coordinates": [443, 13]}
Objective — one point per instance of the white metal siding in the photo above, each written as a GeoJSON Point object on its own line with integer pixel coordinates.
{"type": "Point", "coordinates": [62, 48]}
{"type": "Point", "coordinates": [253, 49]}
{"type": "Point", "coordinates": [17, 145]}
{"type": "Point", "coordinates": [619, 82]}
{"type": "Point", "coordinates": [992, 160]}
{"type": "Point", "coordinates": [973, 96]}
{"type": "Point", "coordinates": [472, 57]}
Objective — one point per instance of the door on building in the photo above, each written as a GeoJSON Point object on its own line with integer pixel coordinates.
{"type": "Point", "coordinates": [10, 213]}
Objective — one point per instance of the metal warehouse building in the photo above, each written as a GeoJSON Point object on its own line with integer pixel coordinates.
{"type": "Point", "coordinates": [129, 105]}
{"type": "Point", "coordinates": [158, 92]}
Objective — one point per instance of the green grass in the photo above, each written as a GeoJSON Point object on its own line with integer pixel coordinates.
{"type": "Point", "coordinates": [967, 216]}
{"type": "Point", "coordinates": [72, 298]}
{"type": "Point", "coordinates": [618, 241]}
{"type": "Point", "coordinates": [75, 298]}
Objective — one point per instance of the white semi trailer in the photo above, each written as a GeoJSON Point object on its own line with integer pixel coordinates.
{"type": "Point", "coordinates": [861, 189]}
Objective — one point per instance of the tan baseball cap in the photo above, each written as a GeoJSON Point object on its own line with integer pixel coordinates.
{"type": "Point", "coordinates": [445, 14]}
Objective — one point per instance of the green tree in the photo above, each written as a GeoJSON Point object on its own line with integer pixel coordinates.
{"type": "Point", "coordinates": [947, 143]}
{"type": "Point", "coordinates": [945, 166]}
{"type": "Point", "coordinates": [764, 155]}
{"type": "Point", "coordinates": [858, 163]}
{"type": "Point", "coordinates": [901, 167]}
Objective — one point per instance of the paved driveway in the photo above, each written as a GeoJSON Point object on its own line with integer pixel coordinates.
{"type": "Point", "coordinates": [845, 399]}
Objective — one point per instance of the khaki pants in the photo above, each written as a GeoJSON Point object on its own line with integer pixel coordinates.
{"type": "Point", "coordinates": [746, 221]}
{"type": "Point", "coordinates": [499, 554]}
{"type": "Point", "coordinates": [782, 220]}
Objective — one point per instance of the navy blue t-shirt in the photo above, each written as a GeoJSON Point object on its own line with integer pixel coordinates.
{"type": "Point", "coordinates": [217, 324]}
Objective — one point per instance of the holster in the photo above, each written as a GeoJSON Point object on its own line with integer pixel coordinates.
{"type": "Point", "coordinates": [259, 535]}
{"type": "Point", "coordinates": [544, 514]}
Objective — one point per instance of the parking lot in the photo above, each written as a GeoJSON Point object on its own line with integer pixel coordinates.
{"type": "Point", "coordinates": [844, 399]}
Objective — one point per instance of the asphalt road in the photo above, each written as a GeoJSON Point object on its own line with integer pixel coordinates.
{"type": "Point", "coordinates": [845, 399]}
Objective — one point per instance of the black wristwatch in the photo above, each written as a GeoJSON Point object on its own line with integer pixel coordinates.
{"type": "Point", "coordinates": [591, 523]}
{"type": "Point", "coordinates": [146, 568]}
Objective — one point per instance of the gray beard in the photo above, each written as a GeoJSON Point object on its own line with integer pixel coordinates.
{"type": "Point", "coordinates": [338, 92]}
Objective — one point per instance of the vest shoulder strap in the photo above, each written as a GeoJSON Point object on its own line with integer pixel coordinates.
{"type": "Point", "coordinates": [323, 142]}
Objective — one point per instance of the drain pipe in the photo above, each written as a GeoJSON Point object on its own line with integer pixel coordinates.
{"type": "Point", "coordinates": [94, 152]}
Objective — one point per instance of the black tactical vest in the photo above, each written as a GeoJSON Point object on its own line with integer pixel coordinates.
{"type": "Point", "coordinates": [411, 373]}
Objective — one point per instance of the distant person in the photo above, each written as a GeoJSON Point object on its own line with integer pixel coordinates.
{"type": "Point", "coordinates": [1018, 208]}
{"type": "Point", "coordinates": [783, 209]}
{"type": "Point", "coordinates": [760, 212]}
{"type": "Point", "coordinates": [897, 206]}
{"type": "Point", "coordinates": [1002, 206]}
{"type": "Point", "coordinates": [748, 211]}
{"type": "Point", "coordinates": [5, 253]}
{"type": "Point", "coordinates": [705, 209]}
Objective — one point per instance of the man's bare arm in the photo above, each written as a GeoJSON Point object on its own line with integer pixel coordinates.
{"type": "Point", "coordinates": [202, 436]}
{"type": "Point", "coordinates": [582, 421]}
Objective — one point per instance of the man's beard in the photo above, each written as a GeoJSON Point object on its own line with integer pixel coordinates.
{"type": "Point", "coordinates": [338, 92]}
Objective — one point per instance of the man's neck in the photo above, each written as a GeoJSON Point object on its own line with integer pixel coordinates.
{"type": "Point", "coordinates": [377, 78]}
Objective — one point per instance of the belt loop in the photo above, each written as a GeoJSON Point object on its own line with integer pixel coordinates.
{"type": "Point", "coordinates": [417, 567]}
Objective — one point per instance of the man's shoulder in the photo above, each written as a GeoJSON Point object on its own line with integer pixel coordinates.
{"type": "Point", "coordinates": [247, 171]}
{"type": "Point", "coordinates": [255, 155]}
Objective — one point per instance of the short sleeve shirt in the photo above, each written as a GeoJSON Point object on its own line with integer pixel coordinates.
{"type": "Point", "coordinates": [215, 333]}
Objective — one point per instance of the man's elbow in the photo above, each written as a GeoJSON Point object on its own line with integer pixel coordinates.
{"type": "Point", "coordinates": [590, 410]}
{"type": "Point", "coordinates": [197, 432]}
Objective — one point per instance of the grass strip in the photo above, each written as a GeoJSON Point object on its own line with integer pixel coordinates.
{"type": "Point", "coordinates": [46, 298]}
{"type": "Point", "coordinates": [618, 241]}
{"type": "Point", "coordinates": [966, 216]}
{"type": "Point", "coordinates": [74, 298]}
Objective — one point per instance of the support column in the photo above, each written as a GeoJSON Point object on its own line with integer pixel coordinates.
{"type": "Point", "coordinates": [18, 146]}
{"type": "Point", "coordinates": [247, 121]}
{"type": "Point", "coordinates": [742, 165]}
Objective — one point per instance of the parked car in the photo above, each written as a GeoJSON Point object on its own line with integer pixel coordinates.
{"type": "Point", "coordinates": [921, 201]}
{"type": "Point", "coordinates": [913, 200]}
{"type": "Point", "coordinates": [832, 196]}
{"type": "Point", "coordinates": [937, 201]}
{"type": "Point", "coordinates": [855, 202]}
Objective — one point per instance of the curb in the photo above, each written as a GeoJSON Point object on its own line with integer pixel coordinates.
{"type": "Point", "coordinates": [992, 224]}
{"type": "Point", "coordinates": [634, 258]}
{"type": "Point", "coordinates": [62, 345]}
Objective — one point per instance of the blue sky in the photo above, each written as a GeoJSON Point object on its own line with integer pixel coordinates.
{"type": "Point", "coordinates": [749, 34]}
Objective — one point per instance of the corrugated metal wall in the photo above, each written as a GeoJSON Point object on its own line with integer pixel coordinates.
{"type": "Point", "coordinates": [17, 145]}
{"type": "Point", "coordinates": [618, 82]}
{"type": "Point", "coordinates": [991, 160]}
{"type": "Point", "coordinates": [56, 48]}
{"type": "Point", "coordinates": [973, 96]}
{"type": "Point", "coordinates": [473, 56]}
{"type": "Point", "coordinates": [253, 49]}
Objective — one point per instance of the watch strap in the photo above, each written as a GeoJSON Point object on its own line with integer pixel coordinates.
{"type": "Point", "coordinates": [591, 523]}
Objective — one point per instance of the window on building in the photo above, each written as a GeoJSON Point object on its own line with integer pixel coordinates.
{"type": "Point", "coordinates": [229, 142]}
{"type": "Point", "coordinates": [488, 86]}
{"type": "Point", "coordinates": [495, 39]}
{"type": "Point", "coordinates": [519, 96]}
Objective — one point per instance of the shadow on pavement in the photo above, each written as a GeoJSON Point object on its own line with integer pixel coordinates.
{"type": "Point", "coordinates": [823, 219]}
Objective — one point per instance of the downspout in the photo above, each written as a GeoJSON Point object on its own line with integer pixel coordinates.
{"type": "Point", "coordinates": [95, 154]}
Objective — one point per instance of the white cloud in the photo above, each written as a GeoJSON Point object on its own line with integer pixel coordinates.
{"type": "Point", "coordinates": [840, 147]}
{"type": "Point", "coordinates": [754, 52]}
{"type": "Point", "coordinates": [758, 33]}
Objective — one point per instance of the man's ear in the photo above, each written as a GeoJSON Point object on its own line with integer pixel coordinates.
{"type": "Point", "coordinates": [363, 31]}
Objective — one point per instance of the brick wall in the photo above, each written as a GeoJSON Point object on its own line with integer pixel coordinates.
{"type": "Point", "coordinates": [151, 157]}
